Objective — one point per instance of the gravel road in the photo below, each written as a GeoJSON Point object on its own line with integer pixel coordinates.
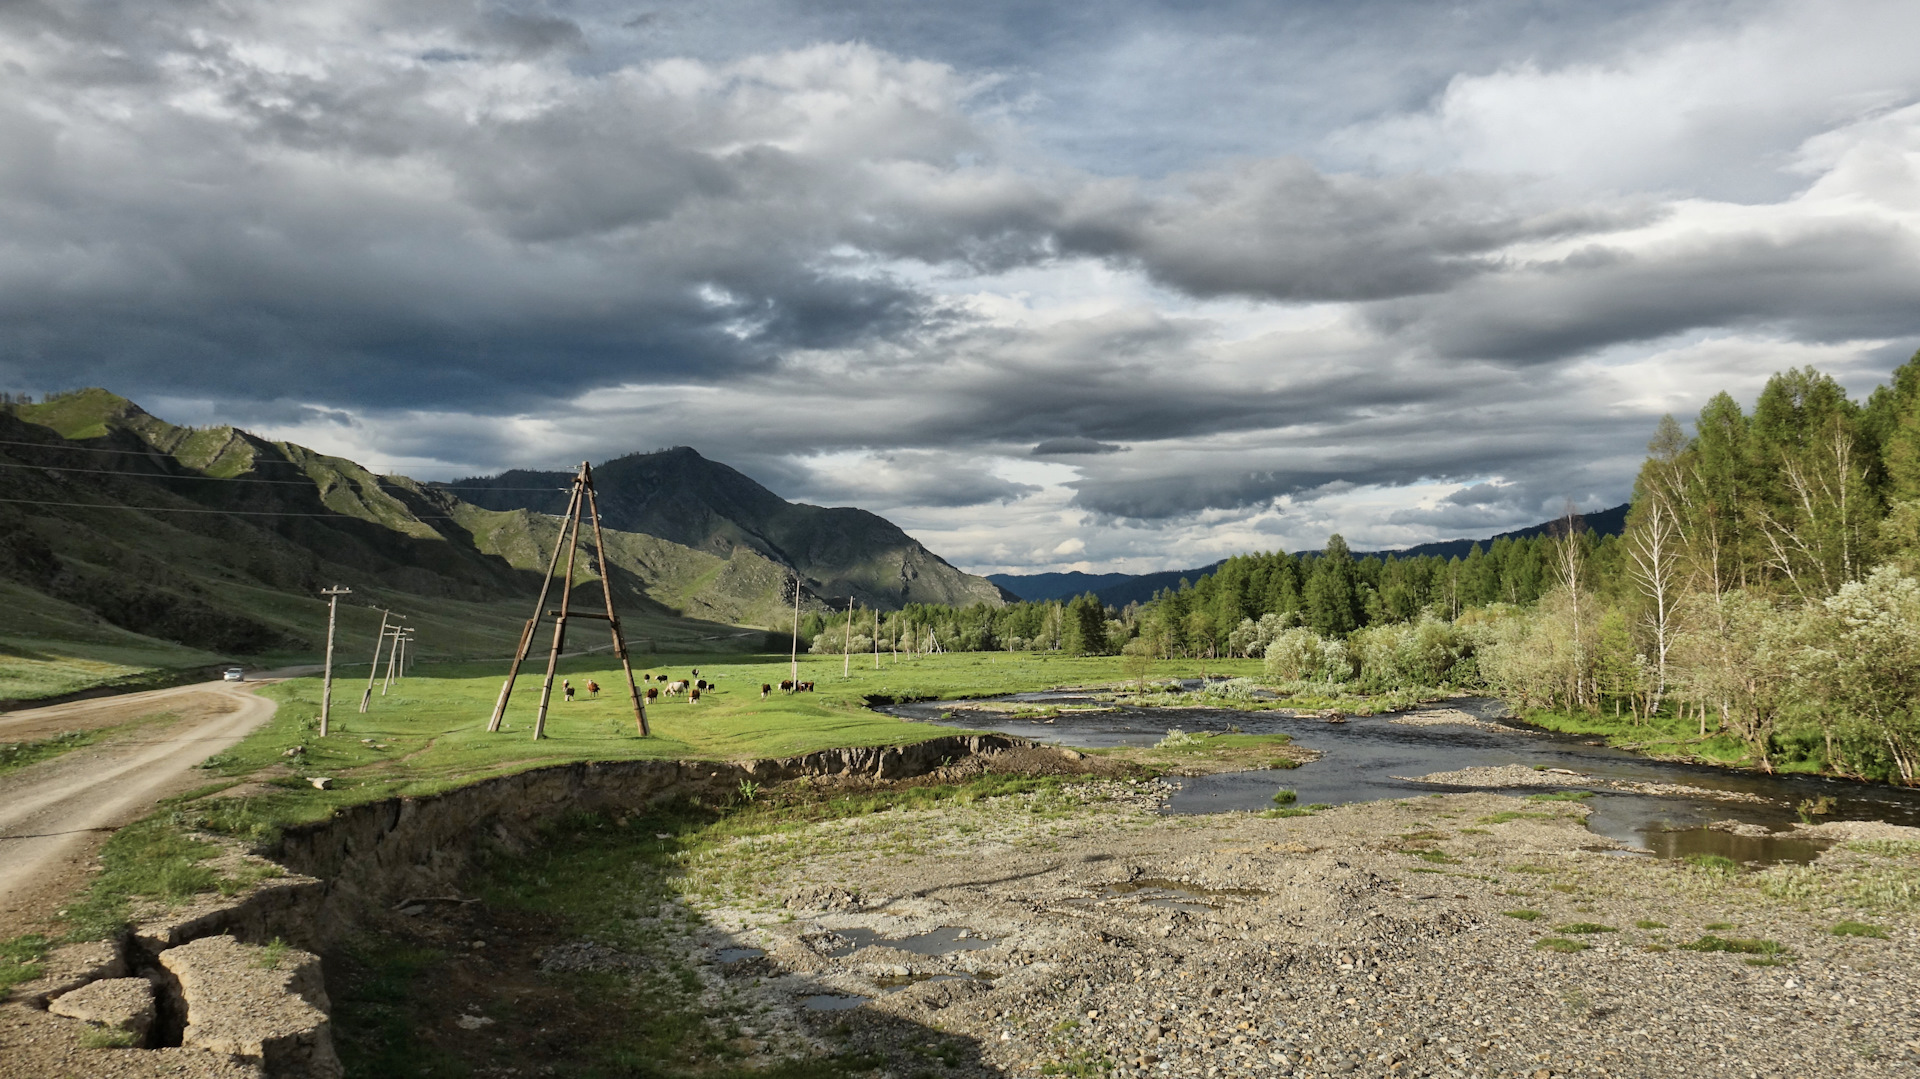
{"type": "Point", "coordinates": [55, 814]}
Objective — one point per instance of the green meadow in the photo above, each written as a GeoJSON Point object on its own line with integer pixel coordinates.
{"type": "Point", "coordinates": [428, 733]}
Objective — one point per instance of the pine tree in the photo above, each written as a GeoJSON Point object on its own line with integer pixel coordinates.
{"type": "Point", "coordinates": [1332, 600]}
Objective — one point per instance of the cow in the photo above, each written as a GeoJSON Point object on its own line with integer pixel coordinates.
{"type": "Point", "coordinates": [765, 691]}
{"type": "Point", "coordinates": [786, 685]}
{"type": "Point", "coordinates": [696, 672]}
{"type": "Point", "coordinates": [652, 694]}
{"type": "Point", "coordinates": [806, 687]}
{"type": "Point", "coordinates": [693, 697]}
{"type": "Point", "coordinates": [701, 684]}
{"type": "Point", "coordinates": [676, 687]}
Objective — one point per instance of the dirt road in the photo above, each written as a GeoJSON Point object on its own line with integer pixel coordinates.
{"type": "Point", "coordinates": [54, 815]}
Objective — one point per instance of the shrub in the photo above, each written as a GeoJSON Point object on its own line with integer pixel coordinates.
{"type": "Point", "coordinates": [1300, 654]}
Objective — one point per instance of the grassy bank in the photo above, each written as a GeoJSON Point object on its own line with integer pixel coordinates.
{"type": "Point", "coordinates": [1667, 737]}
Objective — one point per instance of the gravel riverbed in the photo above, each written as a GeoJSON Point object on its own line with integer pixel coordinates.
{"type": "Point", "coordinates": [1456, 935]}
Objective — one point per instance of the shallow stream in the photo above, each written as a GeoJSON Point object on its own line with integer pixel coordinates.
{"type": "Point", "coordinates": [1360, 757]}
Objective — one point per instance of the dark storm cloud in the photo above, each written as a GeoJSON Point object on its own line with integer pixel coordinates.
{"type": "Point", "coordinates": [1283, 230]}
{"type": "Point", "coordinates": [247, 202]}
{"type": "Point", "coordinates": [1062, 446]}
{"type": "Point", "coordinates": [1822, 280]}
{"type": "Point", "coordinates": [700, 225]}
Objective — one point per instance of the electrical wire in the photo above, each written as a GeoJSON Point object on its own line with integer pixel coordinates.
{"type": "Point", "coordinates": [194, 509]}
{"type": "Point", "coordinates": [241, 479]}
{"type": "Point", "coordinates": [234, 479]}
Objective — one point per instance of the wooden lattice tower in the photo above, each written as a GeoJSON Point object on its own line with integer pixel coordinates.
{"type": "Point", "coordinates": [581, 503]}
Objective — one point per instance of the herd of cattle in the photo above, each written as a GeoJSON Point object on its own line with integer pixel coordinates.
{"type": "Point", "coordinates": [695, 686]}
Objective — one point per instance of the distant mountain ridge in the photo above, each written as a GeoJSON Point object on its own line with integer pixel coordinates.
{"type": "Point", "coordinates": [1044, 586]}
{"type": "Point", "coordinates": [1120, 589]}
{"type": "Point", "coordinates": [679, 495]}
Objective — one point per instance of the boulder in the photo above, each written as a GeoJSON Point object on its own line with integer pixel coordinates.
{"type": "Point", "coordinates": [115, 1003]}
{"type": "Point", "coordinates": [260, 1005]}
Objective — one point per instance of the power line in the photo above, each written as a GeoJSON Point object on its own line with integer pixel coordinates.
{"type": "Point", "coordinates": [235, 479]}
{"type": "Point", "coordinates": [183, 509]}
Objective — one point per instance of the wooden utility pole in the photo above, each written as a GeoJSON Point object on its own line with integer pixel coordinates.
{"type": "Point", "coordinates": [539, 605]}
{"type": "Point", "coordinates": [326, 681]}
{"type": "Point", "coordinates": [794, 655]}
{"type": "Point", "coordinates": [846, 648]}
{"type": "Point", "coordinates": [613, 620]}
{"type": "Point", "coordinates": [581, 503]}
{"type": "Point", "coordinates": [876, 638]}
{"type": "Point", "coordinates": [373, 669]}
{"type": "Point", "coordinates": [393, 649]}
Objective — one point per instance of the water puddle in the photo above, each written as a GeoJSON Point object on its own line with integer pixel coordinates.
{"type": "Point", "coordinates": [831, 1002]}
{"type": "Point", "coordinates": [1173, 895]}
{"type": "Point", "coordinates": [738, 955]}
{"type": "Point", "coordinates": [945, 940]}
{"type": "Point", "coordinates": [1745, 849]}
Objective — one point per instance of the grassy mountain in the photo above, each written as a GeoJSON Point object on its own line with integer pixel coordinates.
{"type": "Point", "coordinates": [681, 496]}
{"type": "Point", "coordinates": [129, 545]}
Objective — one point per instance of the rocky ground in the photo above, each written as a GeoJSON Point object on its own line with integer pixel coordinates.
{"type": "Point", "coordinates": [1451, 935]}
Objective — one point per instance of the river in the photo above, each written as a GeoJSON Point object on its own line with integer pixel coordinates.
{"type": "Point", "coordinates": [1360, 758]}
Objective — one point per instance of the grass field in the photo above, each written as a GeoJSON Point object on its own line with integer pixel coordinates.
{"type": "Point", "coordinates": [429, 733]}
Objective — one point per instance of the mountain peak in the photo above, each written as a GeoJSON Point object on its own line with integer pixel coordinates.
{"type": "Point", "coordinates": [680, 495]}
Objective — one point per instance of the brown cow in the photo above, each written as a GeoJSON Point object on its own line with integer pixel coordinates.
{"type": "Point", "coordinates": [693, 697]}
{"type": "Point", "coordinates": [765, 691]}
{"type": "Point", "coordinates": [786, 685]}
{"type": "Point", "coordinates": [652, 694]}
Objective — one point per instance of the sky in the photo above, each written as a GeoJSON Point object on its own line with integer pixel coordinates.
{"type": "Point", "coordinates": [1116, 285]}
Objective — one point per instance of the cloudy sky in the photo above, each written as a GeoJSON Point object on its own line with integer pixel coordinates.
{"type": "Point", "coordinates": [1110, 285]}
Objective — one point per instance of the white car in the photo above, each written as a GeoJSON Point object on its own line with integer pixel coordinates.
{"type": "Point", "coordinates": [234, 674]}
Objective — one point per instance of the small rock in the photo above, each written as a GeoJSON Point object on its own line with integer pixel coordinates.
{"type": "Point", "coordinates": [414, 911]}
{"type": "Point", "coordinates": [471, 1022]}
{"type": "Point", "coordinates": [116, 1003]}
{"type": "Point", "coordinates": [322, 783]}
